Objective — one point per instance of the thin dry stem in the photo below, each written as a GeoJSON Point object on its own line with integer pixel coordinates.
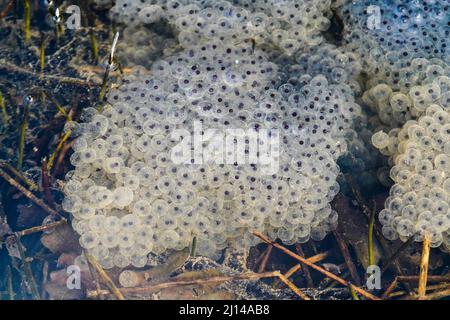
{"type": "Point", "coordinates": [45, 227]}
{"type": "Point", "coordinates": [265, 259]}
{"type": "Point", "coordinates": [424, 261]}
{"type": "Point", "coordinates": [293, 287]}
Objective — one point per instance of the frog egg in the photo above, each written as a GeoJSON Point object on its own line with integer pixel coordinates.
{"type": "Point", "coordinates": [131, 181]}
{"type": "Point", "coordinates": [112, 224]}
{"type": "Point", "coordinates": [405, 228]}
{"type": "Point", "coordinates": [446, 185]}
{"type": "Point", "coordinates": [433, 178]}
{"type": "Point", "coordinates": [423, 167]}
{"type": "Point", "coordinates": [141, 208]}
{"type": "Point", "coordinates": [125, 240]}
{"type": "Point", "coordinates": [159, 207]}
{"type": "Point", "coordinates": [144, 236]}
{"type": "Point", "coordinates": [122, 197]}
{"type": "Point", "coordinates": [129, 223]}
{"type": "Point", "coordinates": [85, 212]}
{"type": "Point", "coordinates": [87, 155]}
{"type": "Point", "coordinates": [440, 223]}
{"type": "Point", "coordinates": [285, 234]}
{"type": "Point", "coordinates": [158, 142]}
{"type": "Point", "coordinates": [113, 164]}
{"type": "Point", "coordinates": [146, 176]}
{"type": "Point", "coordinates": [170, 238]}
{"type": "Point", "coordinates": [75, 159]}
{"type": "Point", "coordinates": [72, 203]}
{"type": "Point", "coordinates": [389, 233]}
{"type": "Point", "coordinates": [170, 222]}
{"type": "Point", "coordinates": [97, 223]}
{"type": "Point", "coordinates": [139, 261]}
{"type": "Point", "coordinates": [442, 162]}
{"type": "Point", "coordinates": [424, 204]}
{"type": "Point", "coordinates": [425, 216]}
{"type": "Point", "coordinates": [80, 226]}
{"type": "Point", "coordinates": [79, 144]}
{"type": "Point", "coordinates": [128, 279]}
{"type": "Point", "coordinates": [100, 147]}
{"type": "Point", "coordinates": [114, 142]}
{"type": "Point", "coordinates": [410, 197]}
{"type": "Point", "coordinates": [386, 217]}
{"type": "Point", "coordinates": [89, 240]}
{"type": "Point", "coordinates": [102, 198]}
{"type": "Point", "coordinates": [400, 102]}
{"type": "Point", "coordinates": [109, 240]}
{"type": "Point", "coordinates": [99, 124]}
{"type": "Point", "coordinates": [318, 233]}
{"type": "Point", "coordinates": [150, 14]}
{"type": "Point", "coordinates": [121, 261]}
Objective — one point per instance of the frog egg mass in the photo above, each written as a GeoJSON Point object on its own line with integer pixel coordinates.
{"type": "Point", "coordinates": [236, 123]}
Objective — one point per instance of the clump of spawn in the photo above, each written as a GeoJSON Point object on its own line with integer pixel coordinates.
{"type": "Point", "coordinates": [341, 67]}
{"type": "Point", "coordinates": [129, 198]}
{"type": "Point", "coordinates": [395, 105]}
{"type": "Point", "coordinates": [140, 46]}
{"type": "Point", "coordinates": [406, 47]}
{"type": "Point", "coordinates": [419, 151]}
{"type": "Point", "coordinates": [288, 26]}
{"type": "Point", "coordinates": [408, 90]}
{"type": "Point", "coordinates": [377, 30]}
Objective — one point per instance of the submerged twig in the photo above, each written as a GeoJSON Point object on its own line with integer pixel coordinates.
{"type": "Point", "coordinates": [437, 295]}
{"type": "Point", "coordinates": [395, 282]}
{"type": "Point", "coordinates": [314, 259]}
{"type": "Point", "coordinates": [29, 278]}
{"type": "Point", "coordinates": [424, 261]}
{"type": "Point", "coordinates": [29, 195]}
{"type": "Point", "coordinates": [10, 283]}
{"type": "Point", "coordinates": [174, 284]}
{"type": "Point", "coordinates": [347, 258]}
{"type": "Point", "coordinates": [42, 228]}
{"type": "Point", "coordinates": [265, 259]}
{"type": "Point", "coordinates": [293, 287]}
{"type": "Point", "coordinates": [309, 280]}
{"type": "Point", "coordinates": [42, 54]}
{"type": "Point", "coordinates": [5, 65]}
{"type": "Point", "coordinates": [95, 279]}
{"type": "Point", "coordinates": [22, 134]}
{"type": "Point", "coordinates": [44, 278]}
{"type": "Point", "coordinates": [65, 147]}
{"type": "Point", "coordinates": [7, 8]}
{"type": "Point", "coordinates": [105, 277]}
{"type": "Point", "coordinates": [316, 267]}
{"type": "Point", "coordinates": [94, 46]}
{"type": "Point", "coordinates": [352, 292]}
{"type": "Point", "coordinates": [58, 148]}
{"type": "Point", "coordinates": [396, 254]}
{"type": "Point", "coordinates": [19, 175]}
{"type": "Point", "coordinates": [46, 182]}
